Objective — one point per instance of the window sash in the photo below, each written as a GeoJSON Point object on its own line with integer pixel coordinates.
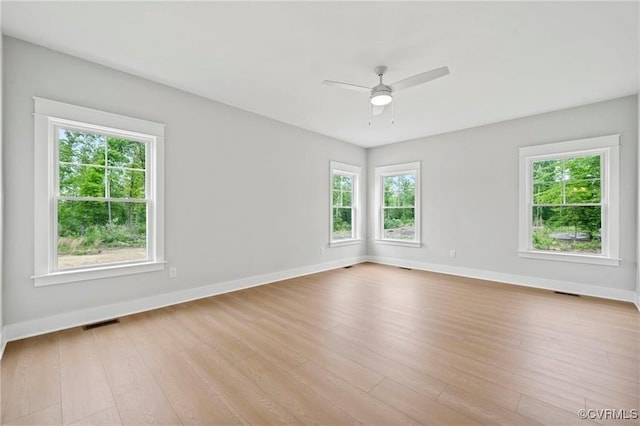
{"type": "Point", "coordinates": [381, 172]}
{"type": "Point", "coordinates": [340, 169]}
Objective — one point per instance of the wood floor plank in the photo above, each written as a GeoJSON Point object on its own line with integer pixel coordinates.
{"type": "Point", "coordinates": [481, 409]}
{"type": "Point", "coordinates": [361, 405]}
{"type": "Point", "coordinates": [108, 417]}
{"type": "Point", "coordinates": [45, 417]}
{"type": "Point", "coordinates": [191, 398]}
{"type": "Point", "coordinates": [304, 403]}
{"type": "Point", "coordinates": [355, 373]}
{"type": "Point", "coordinates": [33, 377]}
{"type": "Point", "coordinates": [474, 377]}
{"type": "Point", "coordinates": [138, 397]}
{"type": "Point", "coordinates": [547, 414]}
{"type": "Point", "coordinates": [613, 414]}
{"type": "Point", "coordinates": [421, 408]}
{"type": "Point", "coordinates": [370, 344]}
{"type": "Point", "coordinates": [247, 400]}
{"type": "Point", "coordinates": [283, 356]}
{"type": "Point", "coordinates": [84, 385]}
{"type": "Point", "coordinates": [8, 366]}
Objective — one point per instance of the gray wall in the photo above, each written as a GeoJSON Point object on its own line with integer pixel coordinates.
{"type": "Point", "coordinates": [470, 193]}
{"type": "Point", "coordinates": [245, 195]}
{"type": "Point", "coordinates": [1, 193]}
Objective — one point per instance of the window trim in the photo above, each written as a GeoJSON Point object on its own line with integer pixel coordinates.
{"type": "Point", "coordinates": [48, 116]}
{"type": "Point", "coordinates": [607, 146]}
{"type": "Point", "coordinates": [393, 170]}
{"type": "Point", "coordinates": [356, 210]}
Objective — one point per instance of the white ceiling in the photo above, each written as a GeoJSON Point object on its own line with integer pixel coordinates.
{"type": "Point", "coordinates": [506, 60]}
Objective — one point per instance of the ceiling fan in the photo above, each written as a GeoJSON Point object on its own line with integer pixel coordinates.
{"type": "Point", "coordinates": [382, 94]}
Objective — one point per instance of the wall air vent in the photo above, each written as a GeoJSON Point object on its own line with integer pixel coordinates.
{"type": "Point", "coordinates": [100, 324]}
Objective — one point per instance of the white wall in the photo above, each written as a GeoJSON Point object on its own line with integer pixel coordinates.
{"type": "Point", "coordinates": [638, 211]}
{"type": "Point", "coordinates": [470, 199]}
{"type": "Point", "coordinates": [2, 336]}
{"type": "Point", "coordinates": [245, 195]}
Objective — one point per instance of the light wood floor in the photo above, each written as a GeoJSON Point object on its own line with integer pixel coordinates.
{"type": "Point", "coordinates": [371, 344]}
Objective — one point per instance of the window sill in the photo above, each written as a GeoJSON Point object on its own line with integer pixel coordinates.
{"type": "Point", "coordinates": [398, 242]}
{"type": "Point", "coordinates": [567, 257]}
{"type": "Point", "coordinates": [64, 277]}
{"type": "Point", "coordinates": [349, 242]}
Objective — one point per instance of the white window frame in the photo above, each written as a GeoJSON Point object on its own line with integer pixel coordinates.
{"type": "Point", "coordinates": [49, 115]}
{"type": "Point", "coordinates": [609, 149]}
{"type": "Point", "coordinates": [355, 172]}
{"type": "Point", "coordinates": [393, 170]}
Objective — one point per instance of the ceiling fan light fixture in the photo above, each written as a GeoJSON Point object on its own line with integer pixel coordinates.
{"type": "Point", "coordinates": [381, 98]}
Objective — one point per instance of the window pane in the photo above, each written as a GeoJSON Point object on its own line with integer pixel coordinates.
{"type": "Point", "coordinates": [347, 183]}
{"type": "Point", "coordinates": [548, 171]}
{"type": "Point", "coordinates": [399, 190]}
{"type": "Point", "coordinates": [126, 153]}
{"type": "Point", "coordinates": [586, 191]}
{"type": "Point", "coordinates": [342, 224]}
{"type": "Point", "coordinates": [390, 199]}
{"type": "Point", "coordinates": [337, 182]}
{"type": "Point", "coordinates": [547, 193]}
{"type": "Point", "coordinates": [567, 229]}
{"type": "Point", "coordinates": [579, 168]}
{"type": "Point", "coordinates": [407, 196]}
{"type": "Point", "coordinates": [390, 184]}
{"type": "Point", "coordinates": [337, 198]}
{"type": "Point", "coordinates": [81, 148]}
{"type": "Point", "coordinates": [126, 183]}
{"type": "Point", "coordinates": [399, 224]}
{"type": "Point", "coordinates": [100, 232]}
{"type": "Point", "coordinates": [81, 181]}
{"type": "Point", "coordinates": [346, 199]}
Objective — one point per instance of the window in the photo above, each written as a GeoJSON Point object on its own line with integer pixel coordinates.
{"type": "Point", "coordinates": [398, 204]}
{"type": "Point", "coordinates": [345, 220]}
{"type": "Point", "coordinates": [569, 201]}
{"type": "Point", "coordinates": [99, 200]}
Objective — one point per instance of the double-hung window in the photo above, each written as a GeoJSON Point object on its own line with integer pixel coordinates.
{"type": "Point", "coordinates": [99, 203]}
{"type": "Point", "coordinates": [569, 201]}
{"type": "Point", "coordinates": [345, 210]}
{"type": "Point", "coordinates": [398, 204]}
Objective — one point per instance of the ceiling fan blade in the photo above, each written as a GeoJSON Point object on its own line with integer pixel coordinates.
{"type": "Point", "coordinates": [347, 86]}
{"type": "Point", "coordinates": [377, 109]}
{"type": "Point", "coordinates": [419, 78]}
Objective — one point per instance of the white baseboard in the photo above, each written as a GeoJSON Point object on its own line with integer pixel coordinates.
{"type": "Point", "coordinates": [522, 280]}
{"type": "Point", "coordinates": [638, 300]}
{"type": "Point", "coordinates": [62, 321]}
{"type": "Point", "coordinates": [66, 320]}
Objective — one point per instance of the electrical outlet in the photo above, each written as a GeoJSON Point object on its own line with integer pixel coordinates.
{"type": "Point", "coordinates": [321, 250]}
{"type": "Point", "coordinates": [173, 272]}
{"type": "Point", "coordinates": [452, 253]}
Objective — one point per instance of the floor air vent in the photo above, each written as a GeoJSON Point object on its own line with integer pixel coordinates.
{"type": "Point", "coordinates": [566, 294]}
{"type": "Point", "coordinates": [347, 267]}
{"type": "Point", "coordinates": [100, 324]}
{"type": "Point", "coordinates": [402, 267]}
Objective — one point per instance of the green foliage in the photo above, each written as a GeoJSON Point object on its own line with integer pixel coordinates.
{"type": "Point", "coordinates": [98, 166]}
{"type": "Point", "coordinates": [561, 188]}
{"type": "Point", "coordinates": [342, 223]}
{"type": "Point", "coordinates": [399, 200]}
{"type": "Point", "coordinates": [95, 238]}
